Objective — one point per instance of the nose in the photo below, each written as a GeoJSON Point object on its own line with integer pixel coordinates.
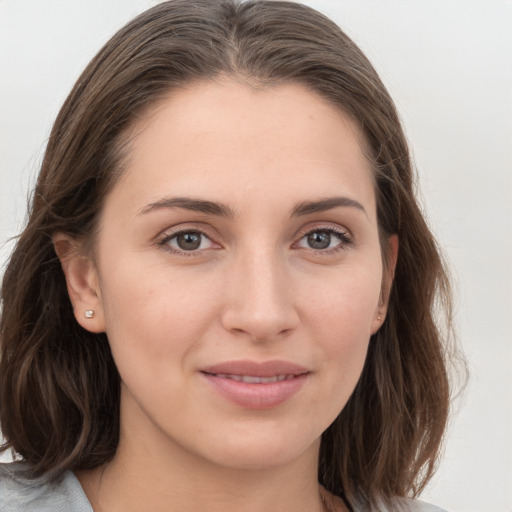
{"type": "Point", "coordinates": [259, 298]}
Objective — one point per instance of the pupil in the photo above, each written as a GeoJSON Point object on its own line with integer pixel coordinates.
{"type": "Point", "coordinates": [319, 240]}
{"type": "Point", "coordinates": [189, 241]}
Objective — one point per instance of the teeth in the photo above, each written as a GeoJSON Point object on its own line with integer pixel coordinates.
{"type": "Point", "coordinates": [251, 379]}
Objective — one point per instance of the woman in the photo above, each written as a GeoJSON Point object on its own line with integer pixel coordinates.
{"type": "Point", "coordinates": [224, 295]}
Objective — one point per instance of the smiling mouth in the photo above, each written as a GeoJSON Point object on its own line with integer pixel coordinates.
{"type": "Point", "coordinates": [253, 385]}
{"type": "Point", "coordinates": [253, 379]}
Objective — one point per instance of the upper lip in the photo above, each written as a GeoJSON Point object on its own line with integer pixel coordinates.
{"type": "Point", "coordinates": [255, 368]}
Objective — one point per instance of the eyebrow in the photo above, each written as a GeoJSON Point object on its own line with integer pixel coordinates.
{"type": "Point", "coordinates": [187, 203]}
{"type": "Point", "coordinates": [322, 205]}
{"type": "Point", "coordinates": [222, 210]}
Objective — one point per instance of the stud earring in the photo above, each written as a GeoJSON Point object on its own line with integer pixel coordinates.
{"type": "Point", "coordinates": [89, 313]}
{"type": "Point", "coordinates": [379, 318]}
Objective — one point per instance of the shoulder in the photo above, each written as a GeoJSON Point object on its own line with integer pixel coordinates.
{"type": "Point", "coordinates": [422, 506]}
{"type": "Point", "coordinates": [415, 505]}
{"type": "Point", "coordinates": [335, 504]}
{"type": "Point", "coordinates": [22, 494]}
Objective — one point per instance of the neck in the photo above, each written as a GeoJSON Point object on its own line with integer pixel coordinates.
{"type": "Point", "coordinates": [153, 473]}
{"type": "Point", "coordinates": [160, 486]}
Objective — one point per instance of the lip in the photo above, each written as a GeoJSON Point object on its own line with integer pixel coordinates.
{"type": "Point", "coordinates": [265, 385]}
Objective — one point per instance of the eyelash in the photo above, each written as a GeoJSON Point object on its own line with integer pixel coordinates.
{"type": "Point", "coordinates": [164, 240]}
{"type": "Point", "coordinates": [344, 237]}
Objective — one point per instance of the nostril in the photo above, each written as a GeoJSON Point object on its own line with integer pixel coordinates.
{"type": "Point", "coordinates": [257, 301]}
{"type": "Point", "coordinates": [260, 328]}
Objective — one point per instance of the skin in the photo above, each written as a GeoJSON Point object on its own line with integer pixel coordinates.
{"type": "Point", "coordinates": [254, 289]}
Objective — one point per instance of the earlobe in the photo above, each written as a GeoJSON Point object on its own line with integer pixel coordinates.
{"type": "Point", "coordinates": [82, 283]}
{"type": "Point", "coordinates": [387, 281]}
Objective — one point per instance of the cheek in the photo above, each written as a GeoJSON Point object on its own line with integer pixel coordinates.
{"type": "Point", "coordinates": [154, 313]}
{"type": "Point", "coordinates": [341, 320]}
{"type": "Point", "coordinates": [348, 302]}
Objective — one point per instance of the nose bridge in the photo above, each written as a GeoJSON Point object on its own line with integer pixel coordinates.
{"type": "Point", "coordinates": [259, 302]}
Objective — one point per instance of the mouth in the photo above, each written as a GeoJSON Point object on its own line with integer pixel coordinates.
{"type": "Point", "coordinates": [255, 385]}
{"type": "Point", "coordinates": [274, 369]}
{"type": "Point", "coordinates": [252, 379]}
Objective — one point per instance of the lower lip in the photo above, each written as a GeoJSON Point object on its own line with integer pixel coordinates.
{"type": "Point", "coordinates": [257, 396]}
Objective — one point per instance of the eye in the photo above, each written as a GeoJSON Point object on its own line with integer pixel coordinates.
{"type": "Point", "coordinates": [324, 240]}
{"type": "Point", "coordinates": [187, 241]}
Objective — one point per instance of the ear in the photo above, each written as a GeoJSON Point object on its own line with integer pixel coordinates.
{"type": "Point", "coordinates": [82, 283]}
{"type": "Point", "coordinates": [387, 281]}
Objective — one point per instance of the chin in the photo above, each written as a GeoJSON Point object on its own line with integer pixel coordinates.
{"type": "Point", "coordinates": [256, 452]}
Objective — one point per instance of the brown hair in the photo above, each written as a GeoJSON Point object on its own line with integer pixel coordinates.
{"type": "Point", "coordinates": [59, 385]}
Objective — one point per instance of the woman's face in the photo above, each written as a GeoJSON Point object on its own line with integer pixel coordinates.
{"type": "Point", "coordinates": [238, 273]}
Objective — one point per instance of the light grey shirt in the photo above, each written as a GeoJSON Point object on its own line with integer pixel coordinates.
{"type": "Point", "coordinates": [21, 494]}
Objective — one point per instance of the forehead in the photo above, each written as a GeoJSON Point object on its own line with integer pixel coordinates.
{"type": "Point", "coordinates": [227, 139]}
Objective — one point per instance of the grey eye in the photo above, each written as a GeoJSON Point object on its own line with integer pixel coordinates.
{"type": "Point", "coordinates": [319, 239]}
{"type": "Point", "coordinates": [324, 239]}
{"type": "Point", "coordinates": [189, 241]}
